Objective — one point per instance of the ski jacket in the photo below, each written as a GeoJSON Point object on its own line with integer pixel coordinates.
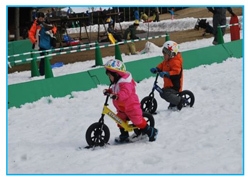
{"type": "Point", "coordinates": [174, 67]}
{"type": "Point", "coordinates": [38, 36]}
{"type": "Point", "coordinates": [130, 34]}
{"type": "Point", "coordinates": [144, 17]}
{"type": "Point", "coordinates": [111, 30]}
{"type": "Point", "coordinates": [136, 14]}
{"type": "Point", "coordinates": [33, 31]}
{"type": "Point", "coordinates": [128, 101]}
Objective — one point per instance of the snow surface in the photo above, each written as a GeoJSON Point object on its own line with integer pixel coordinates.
{"type": "Point", "coordinates": [43, 136]}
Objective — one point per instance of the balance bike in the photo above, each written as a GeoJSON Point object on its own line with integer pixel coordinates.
{"type": "Point", "coordinates": [98, 133]}
{"type": "Point", "coordinates": [149, 103]}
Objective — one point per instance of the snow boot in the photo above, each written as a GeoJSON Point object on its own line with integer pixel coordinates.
{"type": "Point", "coordinates": [123, 138]}
{"type": "Point", "coordinates": [151, 132]}
{"type": "Point", "coordinates": [181, 103]}
{"type": "Point", "coordinates": [137, 135]}
{"type": "Point", "coordinates": [172, 107]}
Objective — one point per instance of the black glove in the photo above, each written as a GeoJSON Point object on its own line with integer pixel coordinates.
{"type": "Point", "coordinates": [164, 74]}
{"type": "Point", "coordinates": [154, 70]}
{"type": "Point", "coordinates": [107, 92]}
{"type": "Point", "coordinates": [114, 96]}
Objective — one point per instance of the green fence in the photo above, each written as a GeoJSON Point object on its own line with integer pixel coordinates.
{"type": "Point", "coordinates": [19, 94]}
{"type": "Point", "coordinates": [18, 47]}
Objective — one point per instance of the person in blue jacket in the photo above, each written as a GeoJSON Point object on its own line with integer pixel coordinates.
{"type": "Point", "coordinates": [40, 37]}
{"type": "Point", "coordinates": [136, 15]}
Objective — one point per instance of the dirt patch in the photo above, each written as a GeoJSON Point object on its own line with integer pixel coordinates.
{"type": "Point", "coordinates": [179, 37]}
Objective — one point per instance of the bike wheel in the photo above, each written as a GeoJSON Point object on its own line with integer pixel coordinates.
{"type": "Point", "coordinates": [97, 134]}
{"type": "Point", "coordinates": [149, 118]}
{"type": "Point", "coordinates": [149, 104]}
{"type": "Point", "coordinates": [189, 98]}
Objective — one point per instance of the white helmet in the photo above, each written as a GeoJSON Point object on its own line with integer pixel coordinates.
{"type": "Point", "coordinates": [115, 65]}
{"type": "Point", "coordinates": [171, 48]}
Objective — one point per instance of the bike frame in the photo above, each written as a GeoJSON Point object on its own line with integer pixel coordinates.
{"type": "Point", "coordinates": [155, 86]}
{"type": "Point", "coordinates": [106, 111]}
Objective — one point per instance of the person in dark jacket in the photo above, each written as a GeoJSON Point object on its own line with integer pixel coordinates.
{"type": "Point", "coordinates": [219, 19]}
{"type": "Point", "coordinates": [116, 35]}
{"type": "Point", "coordinates": [130, 34]}
{"type": "Point", "coordinates": [40, 37]}
{"type": "Point", "coordinates": [156, 14]}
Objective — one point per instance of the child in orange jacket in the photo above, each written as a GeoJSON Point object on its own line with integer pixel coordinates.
{"type": "Point", "coordinates": [170, 69]}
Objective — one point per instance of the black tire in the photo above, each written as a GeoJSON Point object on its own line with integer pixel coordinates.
{"type": "Point", "coordinates": [149, 119]}
{"type": "Point", "coordinates": [97, 134]}
{"type": "Point", "coordinates": [149, 104]}
{"type": "Point", "coordinates": [189, 98]}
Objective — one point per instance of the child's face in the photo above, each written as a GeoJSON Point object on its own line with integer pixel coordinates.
{"type": "Point", "coordinates": [111, 78]}
{"type": "Point", "coordinates": [166, 56]}
{"type": "Point", "coordinates": [41, 19]}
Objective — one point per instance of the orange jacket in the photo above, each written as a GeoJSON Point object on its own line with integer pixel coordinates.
{"type": "Point", "coordinates": [54, 29]}
{"type": "Point", "coordinates": [33, 30]}
{"type": "Point", "coordinates": [174, 67]}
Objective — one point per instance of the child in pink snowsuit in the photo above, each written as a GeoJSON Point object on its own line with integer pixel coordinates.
{"type": "Point", "coordinates": [125, 100]}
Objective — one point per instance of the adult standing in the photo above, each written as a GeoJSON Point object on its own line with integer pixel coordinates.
{"type": "Point", "coordinates": [156, 13]}
{"type": "Point", "coordinates": [136, 14]}
{"type": "Point", "coordinates": [219, 19]}
{"type": "Point", "coordinates": [40, 37]}
{"type": "Point", "coordinates": [130, 34]}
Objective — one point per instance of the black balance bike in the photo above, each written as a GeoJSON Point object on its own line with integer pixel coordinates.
{"type": "Point", "coordinates": [98, 133]}
{"type": "Point", "coordinates": [149, 103]}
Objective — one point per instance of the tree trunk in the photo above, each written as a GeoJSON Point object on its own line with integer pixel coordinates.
{"type": "Point", "coordinates": [17, 29]}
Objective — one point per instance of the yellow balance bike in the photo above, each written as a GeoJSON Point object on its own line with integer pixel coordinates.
{"type": "Point", "coordinates": [98, 133]}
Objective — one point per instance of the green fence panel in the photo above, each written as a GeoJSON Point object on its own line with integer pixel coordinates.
{"type": "Point", "coordinates": [141, 69]}
{"type": "Point", "coordinates": [19, 47]}
{"type": "Point", "coordinates": [234, 48]}
{"type": "Point", "coordinates": [209, 55]}
{"type": "Point", "coordinates": [204, 56]}
{"type": "Point", "coordinates": [11, 51]}
{"type": "Point", "coordinates": [99, 76]}
{"type": "Point", "coordinates": [22, 93]}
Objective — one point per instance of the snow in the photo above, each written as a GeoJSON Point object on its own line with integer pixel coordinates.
{"type": "Point", "coordinates": [79, 9]}
{"type": "Point", "coordinates": [207, 139]}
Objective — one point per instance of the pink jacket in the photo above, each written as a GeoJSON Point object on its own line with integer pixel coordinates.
{"type": "Point", "coordinates": [128, 101]}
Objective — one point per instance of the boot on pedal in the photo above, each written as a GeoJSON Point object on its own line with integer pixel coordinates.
{"type": "Point", "coordinates": [123, 138]}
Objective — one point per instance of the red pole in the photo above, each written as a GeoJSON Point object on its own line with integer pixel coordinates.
{"type": "Point", "coordinates": [234, 28]}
